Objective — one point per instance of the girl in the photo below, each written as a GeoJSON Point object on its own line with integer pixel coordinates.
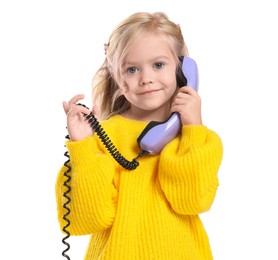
{"type": "Point", "coordinates": [150, 212]}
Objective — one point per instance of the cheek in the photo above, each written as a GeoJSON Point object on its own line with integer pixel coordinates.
{"type": "Point", "coordinates": [171, 83]}
{"type": "Point", "coordinates": [172, 87]}
{"type": "Point", "coordinates": [130, 85]}
{"type": "Point", "coordinates": [122, 90]}
{"type": "Point", "coordinates": [173, 92]}
{"type": "Point", "coordinates": [123, 86]}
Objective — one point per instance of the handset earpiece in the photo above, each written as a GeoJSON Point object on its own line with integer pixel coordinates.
{"type": "Point", "coordinates": [190, 71]}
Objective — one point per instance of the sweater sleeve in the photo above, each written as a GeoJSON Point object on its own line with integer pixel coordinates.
{"type": "Point", "coordinates": [93, 195]}
{"type": "Point", "coordinates": [188, 170]}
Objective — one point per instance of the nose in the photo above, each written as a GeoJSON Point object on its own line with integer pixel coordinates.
{"type": "Point", "coordinates": [146, 77]}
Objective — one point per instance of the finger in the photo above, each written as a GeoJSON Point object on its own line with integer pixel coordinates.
{"type": "Point", "coordinates": [182, 97]}
{"type": "Point", "coordinates": [188, 90]}
{"type": "Point", "coordinates": [75, 99]}
{"type": "Point", "coordinates": [188, 93]}
{"type": "Point", "coordinates": [176, 108]}
{"type": "Point", "coordinates": [78, 109]}
{"type": "Point", "coordinates": [65, 106]}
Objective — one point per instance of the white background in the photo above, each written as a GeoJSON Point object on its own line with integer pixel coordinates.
{"type": "Point", "coordinates": [50, 51]}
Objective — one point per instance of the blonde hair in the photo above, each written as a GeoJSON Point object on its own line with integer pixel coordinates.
{"type": "Point", "coordinates": [106, 82]}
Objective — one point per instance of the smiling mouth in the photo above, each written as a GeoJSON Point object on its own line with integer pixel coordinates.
{"type": "Point", "coordinates": [149, 92]}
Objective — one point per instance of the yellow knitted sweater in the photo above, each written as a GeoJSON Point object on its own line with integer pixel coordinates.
{"type": "Point", "coordinates": [147, 213]}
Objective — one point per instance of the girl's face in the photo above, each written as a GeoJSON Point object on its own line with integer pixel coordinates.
{"type": "Point", "coordinates": [149, 71]}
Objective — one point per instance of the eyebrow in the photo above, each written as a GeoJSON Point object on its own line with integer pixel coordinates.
{"type": "Point", "coordinates": [157, 58]}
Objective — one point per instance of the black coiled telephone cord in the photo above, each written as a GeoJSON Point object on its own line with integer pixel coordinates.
{"type": "Point", "coordinates": [129, 165]}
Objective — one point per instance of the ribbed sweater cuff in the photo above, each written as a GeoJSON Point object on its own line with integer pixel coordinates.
{"type": "Point", "coordinates": [192, 135]}
{"type": "Point", "coordinates": [82, 153]}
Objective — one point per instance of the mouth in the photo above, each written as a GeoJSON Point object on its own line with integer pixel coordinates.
{"type": "Point", "coordinates": [149, 92]}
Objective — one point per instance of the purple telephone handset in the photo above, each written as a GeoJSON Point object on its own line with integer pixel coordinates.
{"type": "Point", "coordinates": [157, 134]}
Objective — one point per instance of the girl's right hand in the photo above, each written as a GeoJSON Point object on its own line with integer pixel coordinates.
{"type": "Point", "coordinates": [77, 125]}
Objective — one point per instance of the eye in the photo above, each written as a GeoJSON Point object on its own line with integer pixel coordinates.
{"type": "Point", "coordinates": [159, 65]}
{"type": "Point", "coordinates": [132, 70]}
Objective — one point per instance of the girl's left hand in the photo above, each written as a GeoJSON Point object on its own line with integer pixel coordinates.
{"type": "Point", "coordinates": [188, 104]}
